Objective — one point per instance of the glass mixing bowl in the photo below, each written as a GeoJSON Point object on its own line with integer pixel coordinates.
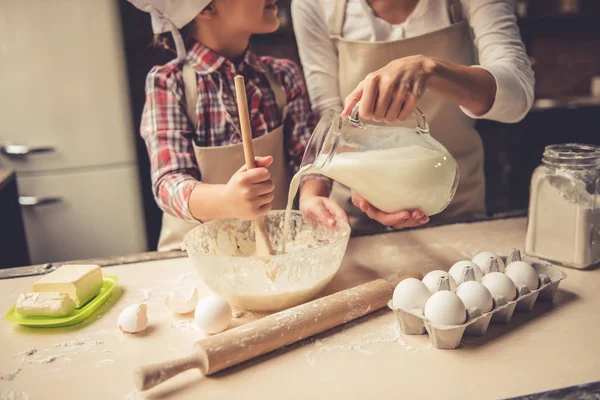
{"type": "Point", "coordinates": [222, 253]}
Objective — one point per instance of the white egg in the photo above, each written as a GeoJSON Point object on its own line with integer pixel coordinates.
{"type": "Point", "coordinates": [500, 285]}
{"type": "Point", "coordinates": [522, 274]}
{"type": "Point", "coordinates": [182, 300]}
{"type": "Point", "coordinates": [475, 295]}
{"type": "Point", "coordinates": [411, 293]}
{"type": "Point", "coordinates": [213, 314]}
{"type": "Point", "coordinates": [483, 258]}
{"type": "Point", "coordinates": [460, 271]}
{"type": "Point", "coordinates": [445, 308]}
{"type": "Point", "coordinates": [432, 280]}
{"type": "Point", "coordinates": [134, 318]}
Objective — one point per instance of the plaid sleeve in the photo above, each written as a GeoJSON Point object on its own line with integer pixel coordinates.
{"type": "Point", "coordinates": [301, 120]}
{"type": "Point", "coordinates": [168, 135]}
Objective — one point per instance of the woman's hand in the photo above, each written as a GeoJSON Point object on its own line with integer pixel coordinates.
{"type": "Point", "coordinates": [392, 92]}
{"type": "Point", "coordinates": [398, 220]}
{"type": "Point", "coordinates": [322, 209]}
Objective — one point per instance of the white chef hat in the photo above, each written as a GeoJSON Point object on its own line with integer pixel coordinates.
{"type": "Point", "coordinates": [172, 15]}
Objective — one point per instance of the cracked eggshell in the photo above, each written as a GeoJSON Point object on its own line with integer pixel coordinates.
{"type": "Point", "coordinates": [445, 308]}
{"type": "Point", "coordinates": [410, 294]}
{"type": "Point", "coordinates": [522, 274]}
{"type": "Point", "coordinates": [182, 300]}
{"type": "Point", "coordinates": [432, 280]}
{"type": "Point", "coordinates": [475, 295]}
{"type": "Point", "coordinates": [500, 285]}
{"type": "Point", "coordinates": [483, 258]}
{"type": "Point", "coordinates": [134, 318]}
{"type": "Point", "coordinates": [459, 271]}
{"type": "Point", "coordinates": [213, 314]}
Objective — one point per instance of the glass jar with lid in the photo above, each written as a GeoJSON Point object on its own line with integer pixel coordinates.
{"type": "Point", "coordinates": [564, 219]}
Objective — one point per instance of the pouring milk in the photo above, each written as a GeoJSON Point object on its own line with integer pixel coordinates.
{"type": "Point", "coordinates": [394, 179]}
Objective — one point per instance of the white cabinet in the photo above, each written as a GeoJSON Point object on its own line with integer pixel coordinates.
{"type": "Point", "coordinates": [93, 213]}
{"type": "Point", "coordinates": [63, 84]}
{"type": "Point", "coordinates": [66, 128]}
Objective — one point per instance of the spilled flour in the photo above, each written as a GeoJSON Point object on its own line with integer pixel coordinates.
{"type": "Point", "coordinates": [29, 352]}
{"type": "Point", "coordinates": [13, 395]}
{"type": "Point", "coordinates": [185, 326]}
{"type": "Point", "coordinates": [390, 333]}
{"type": "Point", "coordinates": [11, 375]}
{"type": "Point", "coordinates": [80, 343]}
{"type": "Point", "coordinates": [46, 360]}
{"type": "Point", "coordinates": [30, 356]}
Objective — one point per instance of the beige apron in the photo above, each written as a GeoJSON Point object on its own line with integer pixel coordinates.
{"type": "Point", "coordinates": [448, 124]}
{"type": "Point", "coordinates": [218, 164]}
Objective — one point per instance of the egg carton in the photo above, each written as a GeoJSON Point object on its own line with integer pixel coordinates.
{"type": "Point", "coordinates": [413, 322]}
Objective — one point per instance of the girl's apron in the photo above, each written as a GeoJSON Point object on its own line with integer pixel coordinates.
{"type": "Point", "coordinates": [218, 164]}
{"type": "Point", "coordinates": [448, 124]}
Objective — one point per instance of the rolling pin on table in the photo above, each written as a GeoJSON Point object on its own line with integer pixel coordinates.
{"type": "Point", "coordinates": [553, 347]}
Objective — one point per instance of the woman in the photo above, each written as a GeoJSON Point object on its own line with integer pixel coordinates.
{"type": "Point", "coordinates": [458, 60]}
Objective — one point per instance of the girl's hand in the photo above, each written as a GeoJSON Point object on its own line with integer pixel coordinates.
{"type": "Point", "coordinates": [397, 220]}
{"type": "Point", "coordinates": [392, 92]}
{"type": "Point", "coordinates": [322, 209]}
{"type": "Point", "coordinates": [249, 194]}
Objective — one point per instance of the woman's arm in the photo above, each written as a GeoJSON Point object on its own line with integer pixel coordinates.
{"type": "Point", "coordinates": [500, 88]}
{"type": "Point", "coordinates": [318, 55]}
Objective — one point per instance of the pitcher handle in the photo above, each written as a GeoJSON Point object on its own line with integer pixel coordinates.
{"type": "Point", "coordinates": [418, 115]}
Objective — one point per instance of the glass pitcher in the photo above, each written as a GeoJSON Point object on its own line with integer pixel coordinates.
{"type": "Point", "coordinates": [393, 167]}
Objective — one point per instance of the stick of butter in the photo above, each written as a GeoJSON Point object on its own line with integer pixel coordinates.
{"type": "Point", "coordinates": [80, 282]}
{"type": "Point", "coordinates": [46, 304]}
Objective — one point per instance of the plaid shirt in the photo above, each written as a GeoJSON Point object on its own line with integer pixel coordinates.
{"type": "Point", "coordinates": [168, 132]}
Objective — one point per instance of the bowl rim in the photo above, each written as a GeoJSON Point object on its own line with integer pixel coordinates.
{"type": "Point", "coordinates": [185, 245]}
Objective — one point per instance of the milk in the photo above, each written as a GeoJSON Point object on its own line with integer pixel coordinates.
{"type": "Point", "coordinates": [395, 179]}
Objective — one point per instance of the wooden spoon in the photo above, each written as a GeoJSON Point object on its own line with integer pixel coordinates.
{"type": "Point", "coordinates": [263, 245]}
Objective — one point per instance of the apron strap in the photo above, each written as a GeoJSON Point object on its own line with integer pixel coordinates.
{"type": "Point", "coordinates": [336, 22]}
{"type": "Point", "coordinates": [455, 11]}
{"type": "Point", "coordinates": [277, 88]}
{"type": "Point", "coordinates": [190, 85]}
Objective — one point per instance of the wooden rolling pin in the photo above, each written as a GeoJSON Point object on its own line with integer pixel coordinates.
{"type": "Point", "coordinates": [263, 244]}
{"type": "Point", "coordinates": [251, 340]}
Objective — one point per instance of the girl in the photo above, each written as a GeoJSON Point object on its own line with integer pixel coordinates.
{"type": "Point", "coordinates": [191, 126]}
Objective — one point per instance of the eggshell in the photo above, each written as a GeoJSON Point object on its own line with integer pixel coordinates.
{"type": "Point", "coordinates": [432, 280]}
{"type": "Point", "coordinates": [134, 318]}
{"type": "Point", "coordinates": [460, 271]}
{"type": "Point", "coordinates": [475, 295]}
{"type": "Point", "coordinates": [410, 294]}
{"type": "Point", "coordinates": [522, 274]}
{"type": "Point", "coordinates": [500, 285]}
{"type": "Point", "coordinates": [445, 308]}
{"type": "Point", "coordinates": [182, 300]}
{"type": "Point", "coordinates": [482, 259]}
{"type": "Point", "coordinates": [213, 314]}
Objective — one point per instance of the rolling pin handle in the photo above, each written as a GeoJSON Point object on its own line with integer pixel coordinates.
{"type": "Point", "coordinates": [148, 376]}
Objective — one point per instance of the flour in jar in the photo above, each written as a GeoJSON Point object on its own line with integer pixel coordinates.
{"type": "Point", "coordinates": [561, 224]}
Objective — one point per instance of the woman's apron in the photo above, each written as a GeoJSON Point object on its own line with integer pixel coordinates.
{"type": "Point", "coordinates": [218, 164]}
{"type": "Point", "coordinates": [448, 124]}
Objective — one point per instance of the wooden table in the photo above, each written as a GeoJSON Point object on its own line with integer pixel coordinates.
{"type": "Point", "coordinates": [554, 346]}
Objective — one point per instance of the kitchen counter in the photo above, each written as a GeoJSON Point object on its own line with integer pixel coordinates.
{"type": "Point", "coordinates": [554, 346]}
